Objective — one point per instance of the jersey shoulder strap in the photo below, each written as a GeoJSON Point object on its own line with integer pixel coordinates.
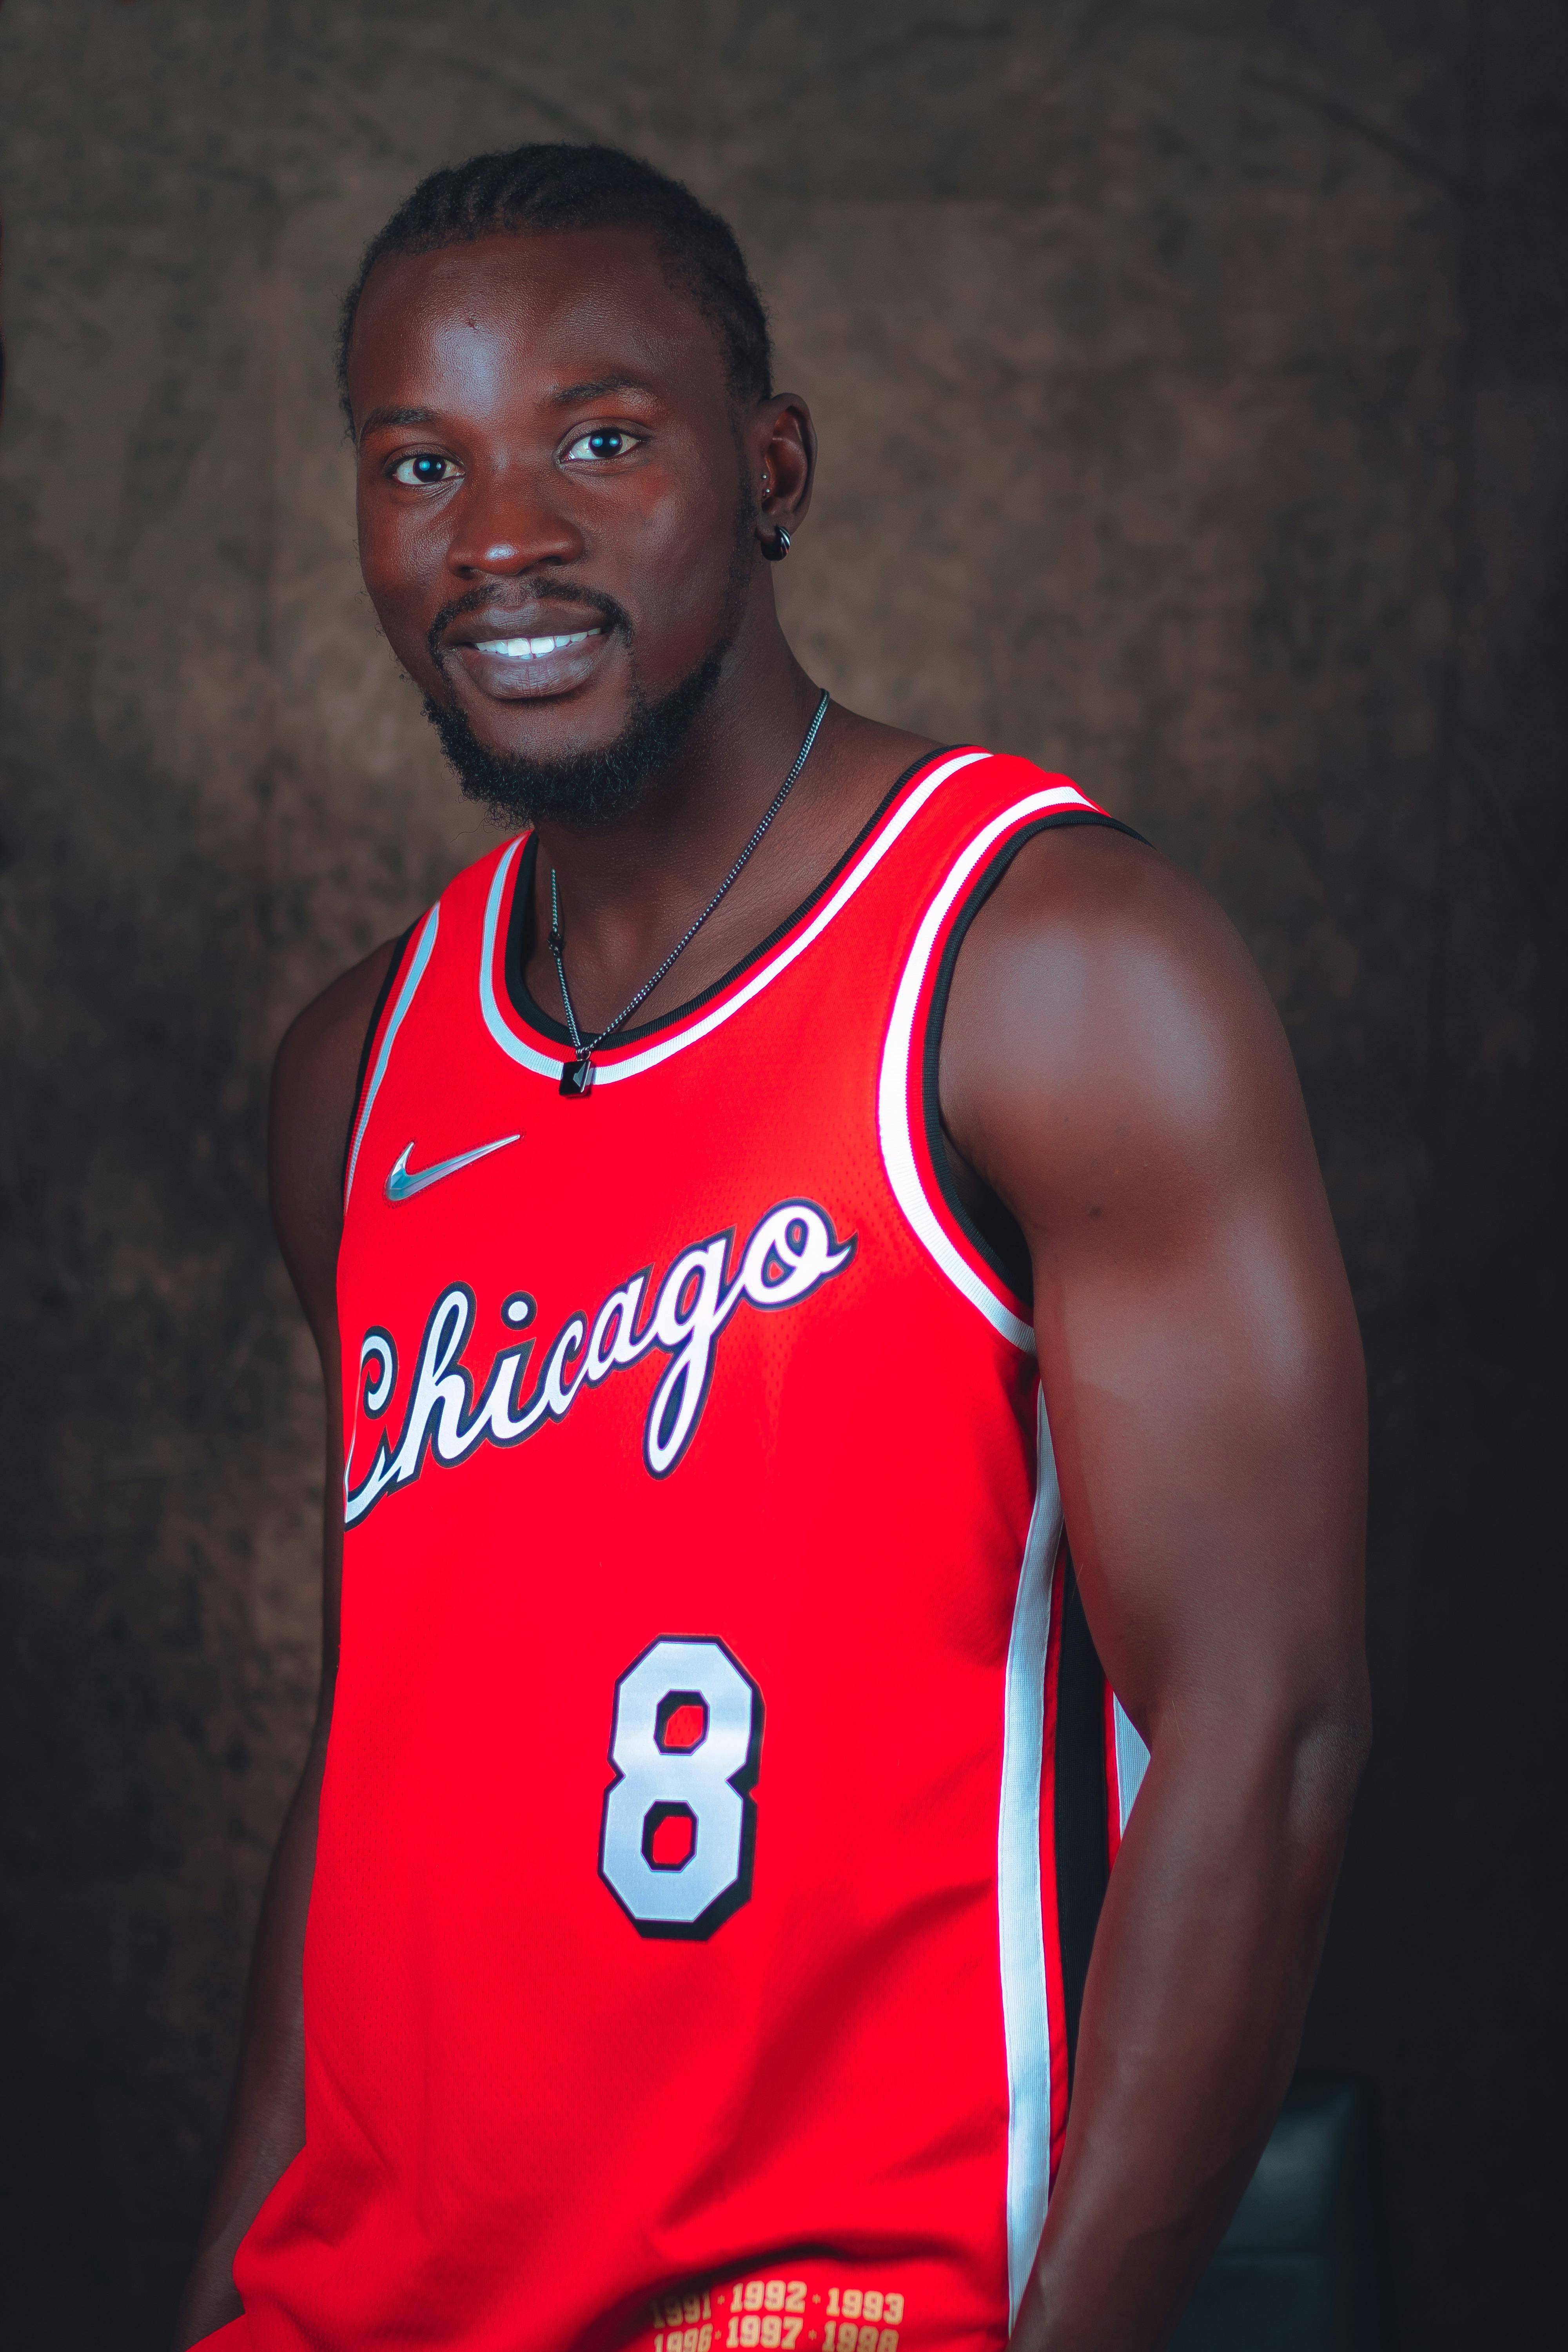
{"type": "Point", "coordinates": [991, 805]}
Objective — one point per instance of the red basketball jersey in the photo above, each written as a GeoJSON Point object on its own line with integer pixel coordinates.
{"type": "Point", "coordinates": [721, 1785]}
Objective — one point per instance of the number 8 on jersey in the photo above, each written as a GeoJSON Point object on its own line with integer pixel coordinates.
{"type": "Point", "coordinates": [679, 1826]}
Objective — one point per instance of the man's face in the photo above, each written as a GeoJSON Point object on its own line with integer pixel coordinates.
{"type": "Point", "coordinates": [551, 519]}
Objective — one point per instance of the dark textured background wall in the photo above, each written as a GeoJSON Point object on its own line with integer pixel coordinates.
{"type": "Point", "coordinates": [1191, 379]}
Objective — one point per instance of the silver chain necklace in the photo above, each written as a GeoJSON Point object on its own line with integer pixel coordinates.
{"type": "Point", "coordinates": [577, 1077]}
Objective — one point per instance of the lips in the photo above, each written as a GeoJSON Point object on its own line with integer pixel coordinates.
{"type": "Point", "coordinates": [508, 660]}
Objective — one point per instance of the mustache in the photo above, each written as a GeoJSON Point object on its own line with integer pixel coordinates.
{"type": "Point", "coordinates": [476, 600]}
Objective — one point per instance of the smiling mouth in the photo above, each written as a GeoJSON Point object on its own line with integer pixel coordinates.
{"type": "Point", "coordinates": [527, 649]}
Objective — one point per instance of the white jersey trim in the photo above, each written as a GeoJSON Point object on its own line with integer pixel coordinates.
{"type": "Point", "coordinates": [630, 1066]}
{"type": "Point", "coordinates": [548, 1066]}
{"type": "Point", "coordinates": [1131, 1763]}
{"type": "Point", "coordinates": [1020, 1910]}
{"type": "Point", "coordinates": [411, 979]}
{"type": "Point", "coordinates": [895, 1087]}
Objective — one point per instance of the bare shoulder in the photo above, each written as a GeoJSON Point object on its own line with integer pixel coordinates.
{"type": "Point", "coordinates": [1107, 1034]}
{"type": "Point", "coordinates": [1103, 917]}
{"type": "Point", "coordinates": [878, 754]}
{"type": "Point", "coordinates": [313, 1084]}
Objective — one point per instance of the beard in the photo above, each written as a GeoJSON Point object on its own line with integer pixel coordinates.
{"type": "Point", "coordinates": [583, 788]}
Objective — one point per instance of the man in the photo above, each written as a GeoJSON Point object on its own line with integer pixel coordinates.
{"type": "Point", "coordinates": [763, 1203]}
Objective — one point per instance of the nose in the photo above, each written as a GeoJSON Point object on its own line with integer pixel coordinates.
{"type": "Point", "coordinates": [509, 520]}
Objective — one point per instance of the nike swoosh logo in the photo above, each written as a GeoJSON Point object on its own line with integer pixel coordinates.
{"type": "Point", "coordinates": [401, 1185]}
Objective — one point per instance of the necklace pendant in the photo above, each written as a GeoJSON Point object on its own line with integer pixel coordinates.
{"type": "Point", "coordinates": [577, 1077]}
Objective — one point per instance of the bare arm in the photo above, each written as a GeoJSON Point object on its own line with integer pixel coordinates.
{"type": "Point", "coordinates": [1112, 1068]}
{"type": "Point", "coordinates": [312, 1092]}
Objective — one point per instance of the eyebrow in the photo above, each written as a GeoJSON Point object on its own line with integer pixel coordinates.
{"type": "Point", "coordinates": [397, 417]}
{"type": "Point", "coordinates": [597, 386]}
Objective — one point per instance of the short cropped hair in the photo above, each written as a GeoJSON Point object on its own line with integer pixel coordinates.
{"type": "Point", "coordinates": [558, 185]}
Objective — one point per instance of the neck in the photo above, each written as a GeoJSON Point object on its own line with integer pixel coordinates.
{"type": "Point", "coordinates": [737, 752]}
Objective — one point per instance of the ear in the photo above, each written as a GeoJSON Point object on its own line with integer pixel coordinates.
{"type": "Point", "coordinates": [782, 446]}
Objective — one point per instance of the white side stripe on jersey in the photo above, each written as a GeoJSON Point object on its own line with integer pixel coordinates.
{"type": "Point", "coordinates": [411, 979]}
{"type": "Point", "coordinates": [1025, 2010]}
{"type": "Point", "coordinates": [1131, 1763]}
{"type": "Point", "coordinates": [606, 1072]}
{"type": "Point", "coordinates": [900, 1081]}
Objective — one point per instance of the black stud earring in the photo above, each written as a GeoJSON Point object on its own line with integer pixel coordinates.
{"type": "Point", "coordinates": [780, 548]}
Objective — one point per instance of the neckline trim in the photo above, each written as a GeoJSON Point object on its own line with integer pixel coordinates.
{"type": "Point", "coordinates": [520, 936]}
{"type": "Point", "coordinates": [730, 996]}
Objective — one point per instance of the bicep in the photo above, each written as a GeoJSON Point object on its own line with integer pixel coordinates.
{"type": "Point", "coordinates": [1206, 1402]}
{"type": "Point", "coordinates": [1122, 1081]}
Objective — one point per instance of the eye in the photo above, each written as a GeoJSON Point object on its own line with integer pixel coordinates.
{"type": "Point", "coordinates": [424, 472]}
{"type": "Point", "coordinates": [605, 441]}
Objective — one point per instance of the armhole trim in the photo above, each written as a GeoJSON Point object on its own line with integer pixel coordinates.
{"type": "Point", "coordinates": [1011, 1266]}
{"type": "Point", "coordinates": [915, 1152]}
{"type": "Point", "coordinates": [415, 973]}
{"type": "Point", "coordinates": [388, 982]}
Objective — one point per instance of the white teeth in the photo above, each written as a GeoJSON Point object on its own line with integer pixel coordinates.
{"type": "Point", "coordinates": [531, 648]}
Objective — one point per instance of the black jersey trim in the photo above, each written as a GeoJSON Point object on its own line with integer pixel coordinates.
{"type": "Point", "coordinates": [383, 997]}
{"type": "Point", "coordinates": [1082, 1834]}
{"type": "Point", "coordinates": [992, 1230]}
{"type": "Point", "coordinates": [519, 926]}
